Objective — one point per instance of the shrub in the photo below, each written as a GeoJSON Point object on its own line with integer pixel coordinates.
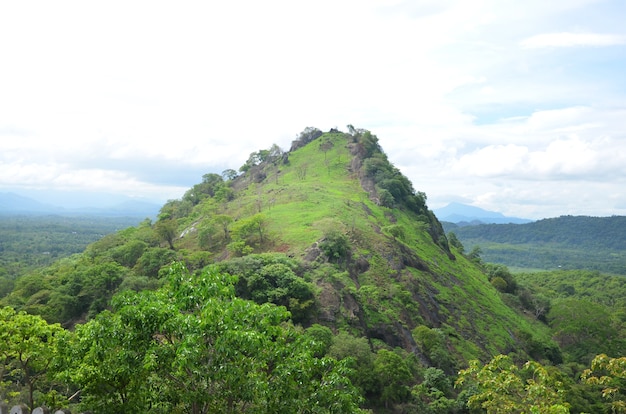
{"type": "Point", "coordinates": [335, 246]}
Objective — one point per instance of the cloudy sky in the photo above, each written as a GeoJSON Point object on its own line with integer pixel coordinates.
{"type": "Point", "coordinates": [517, 107]}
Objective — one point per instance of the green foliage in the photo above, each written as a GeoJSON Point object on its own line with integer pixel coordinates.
{"type": "Point", "coordinates": [269, 156]}
{"type": "Point", "coordinates": [506, 281]}
{"type": "Point", "coordinates": [455, 242]}
{"type": "Point", "coordinates": [394, 375]}
{"type": "Point", "coordinates": [212, 184]}
{"type": "Point", "coordinates": [586, 310]}
{"type": "Point", "coordinates": [604, 289]}
{"type": "Point", "coordinates": [433, 344]}
{"type": "Point", "coordinates": [128, 254]}
{"type": "Point", "coordinates": [166, 229]}
{"type": "Point", "coordinates": [335, 246]}
{"type": "Point", "coordinates": [321, 337]}
{"type": "Point", "coordinates": [396, 231]}
{"type": "Point", "coordinates": [435, 394]}
{"type": "Point", "coordinates": [252, 230]}
{"type": "Point", "coordinates": [27, 350]}
{"type": "Point", "coordinates": [369, 144]}
{"type": "Point", "coordinates": [215, 231]}
{"type": "Point", "coordinates": [385, 198]}
{"type": "Point", "coordinates": [583, 329]}
{"type": "Point", "coordinates": [474, 254]}
{"type": "Point", "coordinates": [503, 387]}
{"type": "Point", "coordinates": [196, 347]}
{"type": "Point", "coordinates": [499, 283]}
{"type": "Point", "coordinates": [391, 185]}
{"type": "Point", "coordinates": [153, 260]}
{"type": "Point", "coordinates": [239, 248]}
{"type": "Point", "coordinates": [610, 375]}
{"type": "Point", "coordinates": [272, 278]}
{"type": "Point", "coordinates": [358, 349]}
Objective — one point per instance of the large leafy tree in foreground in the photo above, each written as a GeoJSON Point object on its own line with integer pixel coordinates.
{"type": "Point", "coordinates": [27, 350]}
{"type": "Point", "coordinates": [609, 374]}
{"type": "Point", "coordinates": [501, 387]}
{"type": "Point", "coordinates": [194, 347]}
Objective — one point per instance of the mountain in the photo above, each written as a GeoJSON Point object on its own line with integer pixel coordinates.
{"type": "Point", "coordinates": [11, 203]}
{"type": "Point", "coordinates": [463, 214]}
{"type": "Point", "coordinates": [15, 204]}
{"type": "Point", "coordinates": [566, 242]}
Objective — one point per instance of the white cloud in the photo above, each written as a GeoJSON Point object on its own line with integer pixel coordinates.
{"type": "Point", "coordinates": [144, 96]}
{"type": "Point", "coordinates": [566, 39]}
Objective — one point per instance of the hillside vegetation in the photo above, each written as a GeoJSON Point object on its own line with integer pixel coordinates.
{"type": "Point", "coordinates": [312, 280]}
{"type": "Point", "coordinates": [567, 242]}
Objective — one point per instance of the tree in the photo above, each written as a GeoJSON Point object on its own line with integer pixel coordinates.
{"type": "Point", "coordinates": [394, 376]}
{"type": "Point", "coordinates": [498, 271]}
{"type": "Point", "coordinates": [433, 344]}
{"type": "Point", "coordinates": [278, 284]}
{"type": "Point", "coordinates": [434, 393]}
{"type": "Point", "coordinates": [229, 174]}
{"type": "Point", "coordinates": [27, 348]}
{"type": "Point", "coordinates": [385, 198]}
{"type": "Point", "coordinates": [583, 328]}
{"type": "Point", "coordinates": [223, 221]}
{"type": "Point", "coordinates": [455, 242]}
{"type": "Point", "coordinates": [309, 134]}
{"type": "Point", "coordinates": [345, 345]}
{"type": "Point", "coordinates": [474, 254]}
{"type": "Point", "coordinates": [166, 229]}
{"type": "Point", "coordinates": [271, 277]}
{"type": "Point", "coordinates": [128, 254]}
{"type": "Point", "coordinates": [194, 346]}
{"type": "Point", "coordinates": [335, 245]}
{"type": "Point", "coordinates": [326, 146]}
{"type": "Point", "coordinates": [610, 375]}
{"type": "Point", "coordinates": [246, 229]}
{"type": "Point", "coordinates": [503, 387]}
{"type": "Point", "coordinates": [153, 260]}
{"type": "Point", "coordinates": [111, 361]}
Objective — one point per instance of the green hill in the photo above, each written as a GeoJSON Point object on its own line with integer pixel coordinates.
{"type": "Point", "coordinates": [330, 230]}
{"type": "Point", "coordinates": [376, 257]}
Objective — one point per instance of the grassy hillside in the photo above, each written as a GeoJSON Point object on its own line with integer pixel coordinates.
{"type": "Point", "coordinates": [377, 271]}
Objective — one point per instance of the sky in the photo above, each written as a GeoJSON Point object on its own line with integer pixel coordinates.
{"type": "Point", "coordinates": [515, 107]}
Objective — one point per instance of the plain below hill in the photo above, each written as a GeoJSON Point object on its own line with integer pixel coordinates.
{"type": "Point", "coordinates": [566, 242]}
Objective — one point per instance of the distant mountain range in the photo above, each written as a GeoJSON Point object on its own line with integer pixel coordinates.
{"type": "Point", "coordinates": [465, 215]}
{"type": "Point", "coordinates": [12, 204]}
{"type": "Point", "coordinates": [566, 242]}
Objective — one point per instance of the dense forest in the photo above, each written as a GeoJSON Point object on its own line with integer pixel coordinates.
{"type": "Point", "coordinates": [566, 242]}
{"type": "Point", "coordinates": [28, 242]}
{"type": "Point", "coordinates": [314, 280]}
